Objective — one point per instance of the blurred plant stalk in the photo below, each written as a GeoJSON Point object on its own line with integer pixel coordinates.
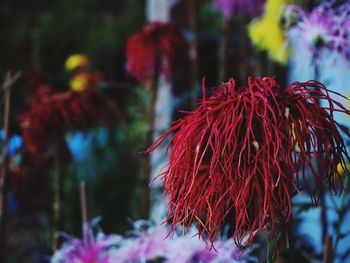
{"type": "Point", "coordinates": [84, 202]}
{"type": "Point", "coordinates": [59, 155]}
{"type": "Point", "coordinates": [223, 49]}
{"type": "Point", "coordinates": [327, 248]}
{"type": "Point", "coordinates": [193, 47]}
{"type": "Point", "coordinates": [151, 113]}
{"type": "Point", "coordinates": [157, 10]}
{"type": "Point", "coordinates": [6, 87]}
{"type": "Point", "coordinates": [57, 201]}
{"type": "Point", "coordinates": [84, 208]}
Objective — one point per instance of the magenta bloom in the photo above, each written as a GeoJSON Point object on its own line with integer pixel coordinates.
{"type": "Point", "coordinates": [146, 244]}
{"type": "Point", "coordinates": [90, 249]}
{"type": "Point", "coordinates": [239, 155]}
{"type": "Point", "coordinates": [229, 8]}
{"type": "Point", "coordinates": [150, 243]}
{"type": "Point", "coordinates": [325, 28]}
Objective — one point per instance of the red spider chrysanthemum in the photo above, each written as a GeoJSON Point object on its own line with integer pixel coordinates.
{"type": "Point", "coordinates": [242, 152]}
{"type": "Point", "coordinates": [156, 43]}
{"type": "Point", "coordinates": [48, 119]}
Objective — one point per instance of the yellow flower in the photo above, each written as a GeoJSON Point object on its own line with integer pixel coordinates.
{"type": "Point", "coordinates": [273, 7]}
{"type": "Point", "coordinates": [341, 167]}
{"type": "Point", "coordinates": [76, 61]}
{"type": "Point", "coordinates": [79, 82]}
{"type": "Point", "coordinates": [267, 32]}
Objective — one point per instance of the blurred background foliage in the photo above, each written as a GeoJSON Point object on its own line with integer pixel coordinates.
{"type": "Point", "coordinates": [41, 35]}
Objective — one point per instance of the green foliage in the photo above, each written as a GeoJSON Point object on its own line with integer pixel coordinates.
{"type": "Point", "coordinates": [46, 33]}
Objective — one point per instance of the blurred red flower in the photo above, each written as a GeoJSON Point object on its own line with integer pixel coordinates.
{"type": "Point", "coordinates": [242, 152]}
{"type": "Point", "coordinates": [156, 43]}
{"type": "Point", "coordinates": [47, 120]}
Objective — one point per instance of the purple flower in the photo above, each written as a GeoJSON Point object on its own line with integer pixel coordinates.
{"type": "Point", "coordinates": [149, 243]}
{"type": "Point", "coordinates": [229, 8]}
{"type": "Point", "coordinates": [146, 243]}
{"type": "Point", "coordinates": [90, 249]}
{"type": "Point", "coordinates": [322, 31]}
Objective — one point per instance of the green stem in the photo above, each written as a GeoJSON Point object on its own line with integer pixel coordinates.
{"type": "Point", "coordinates": [270, 251]}
{"type": "Point", "coordinates": [342, 211]}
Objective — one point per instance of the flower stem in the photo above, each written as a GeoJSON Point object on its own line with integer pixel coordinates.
{"type": "Point", "coordinates": [4, 164]}
{"type": "Point", "coordinates": [270, 250]}
{"type": "Point", "coordinates": [193, 49]}
{"type": "Point", "coordinates": [244, 50]}
{"type": "Point", "coordinates": [278, 246]}
{"type": "Point", "coordinates": [84, 202]}
{"type": "Point", "coordinates": [57, 201]}
{"type": "Point", "coordinates": [223, 49]}
{"type": "Point", "coordinates": [327, 254]}
{"type": "Point", "coordinates": [324, 219]}
{"type": "Point", "coordinates": [342, 212]}
{"type": "Point", "coordinates": [84, 211]}
{"type": "Point", "coordinates": [153, 91]}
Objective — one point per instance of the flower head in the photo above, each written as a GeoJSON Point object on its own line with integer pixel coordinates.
{"type": "Point", "coordinates": [156, 49]}
{"type": "Point", "coordinates": [231, 7]}
{"type": "Point", "coordinates": [150, 243]}
{"type": "Point", "coordinates": [90, 249]}
{"type": "Point", "coordinates": [83, 80]}
{"type": "Point", "coordinates": [324, 28]}
{"type": "Point", "coordinates": [79, 82]}
{"type": "Point", "coordinates": [146, 243]}
{"type": "Point", "coordinates": [267, 32]}
{"type": "Point", "coordinates": [50, 117]}
{"type": "Point", "coordinates": [76, 61]}
{"type": "Point", "coordinates": [32, 78]}
{"type": "Point", "coordinates": [242, 152]}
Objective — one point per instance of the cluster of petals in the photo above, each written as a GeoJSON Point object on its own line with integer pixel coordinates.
{"type": "Point", "coordinates": [325, 28]}
{"type": "Point", "coordinates": [241, 155]}
{"type": "Point", "coordinates": [267, 32]}
{"type": "Point", "coordinates": [147, 243]}
{"type": "Point", "coordinates": [91, 248]}
{"type": "Point", "coordinates": [52, 114]}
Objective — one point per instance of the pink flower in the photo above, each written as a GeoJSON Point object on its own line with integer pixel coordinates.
{"type": "Point", "coordinates": [325, 28]}
{"type": "Point", "coordinates": [90, 249]}
{"type": "Point", "coordinates": [239, 7]}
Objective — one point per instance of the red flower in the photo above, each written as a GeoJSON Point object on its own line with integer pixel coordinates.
{"type": "Point", "coordinates": [48, 120]}
{"type": "Point", "coordinates": [155, 43]}
{"type": "Point", "coordinates": [242, 151]}
{"type": "Point", "coordinates": [32, 78]}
